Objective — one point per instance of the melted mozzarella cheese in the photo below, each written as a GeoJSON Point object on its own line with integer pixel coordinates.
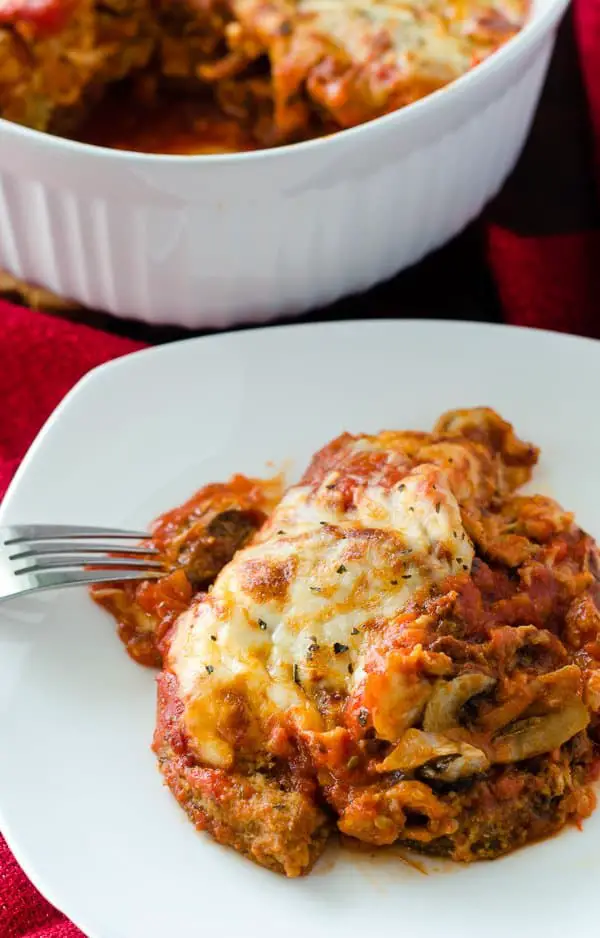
{"type": "Point", "coordinates": [431, 38]}
{"type": "Point", "coordinates": [415, 35]}
{"type": "Point", "coordinates": [287, 619]}
{"type": "Point", "coordinates": [398, 42]}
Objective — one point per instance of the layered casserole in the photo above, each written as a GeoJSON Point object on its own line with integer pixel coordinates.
{"type": "Point", "coordinates": [400, 648]}
{"type": "Point", "coordinates": [284, 70]}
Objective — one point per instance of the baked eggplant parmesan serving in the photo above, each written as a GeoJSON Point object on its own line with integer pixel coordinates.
{"type": "Point", "coordinates": [283, 70]}
{"type": "Point", "coordinates": [404, 649]}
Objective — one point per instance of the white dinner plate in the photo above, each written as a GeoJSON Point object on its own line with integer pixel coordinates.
{"type": "Point", "coordinates": [81, 801]}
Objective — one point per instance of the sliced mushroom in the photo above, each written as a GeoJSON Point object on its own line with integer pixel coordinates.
{"type": "Point", "coordinates": [558, 687]}
{"type": "Point", "coordinates": [547, 692]}
{"type": "Point", "coordinates": [537, 735]}
{"type": "Point", "coordinates": [449, 697]}
{"type": "Point", "coordinates": [443, 758]}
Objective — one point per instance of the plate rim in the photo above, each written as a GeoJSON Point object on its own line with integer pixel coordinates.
{"type": "Point", "coordinates": [232, 334]}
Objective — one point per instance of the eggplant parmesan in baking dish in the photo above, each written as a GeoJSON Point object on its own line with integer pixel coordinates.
{"type": "Point", "coordinates": [405, 650]}
{"type": "Point", "coordinates": [284, 70]}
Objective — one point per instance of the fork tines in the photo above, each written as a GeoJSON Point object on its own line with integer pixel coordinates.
{"type": "Point", "coordinates": [36, 548]}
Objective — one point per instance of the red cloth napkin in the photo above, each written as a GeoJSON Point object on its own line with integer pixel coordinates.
{"type": "Point", "coordinates": [41, 359]}
{"type": "Point", "coordinates": [541, 239]}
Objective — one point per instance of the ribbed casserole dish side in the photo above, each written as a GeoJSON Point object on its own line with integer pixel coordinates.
{"type": "Point", "coordinates": [210, 241]}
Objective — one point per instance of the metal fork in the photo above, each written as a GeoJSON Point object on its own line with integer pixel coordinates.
{"type": "Point", "coordinates": [49, 556]}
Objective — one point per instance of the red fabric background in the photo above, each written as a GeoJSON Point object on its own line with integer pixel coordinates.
{"type": "Point", "coordinates": [542, 243]}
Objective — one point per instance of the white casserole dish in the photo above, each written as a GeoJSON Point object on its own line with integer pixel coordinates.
{"type": "Point", "coordinates": [209, 241]}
